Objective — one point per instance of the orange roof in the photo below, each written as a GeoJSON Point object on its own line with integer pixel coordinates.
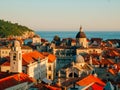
{"type": "Point", "coordinates": [88, 80]}
{"type": "Point", "coordinates": [113, 71]}
{"type": "Point", "coordinates": [36, 55]}
{"type": "Point", "coordinates": [106, 61]}
{"type": "Point", "coordinates": [115, 53]}
{"type": "Point", "coordinates": [95, 62]}
{"type": "Point", "coordinates": [97, 86]}
{"type": "Point", "coordinates": [31, 57]}
{"type": "Point", "coordinates": [73, 40]}
{"type": "Point", "coordinates": [14, 80]}
{"type": "Point", "coordinates": [42, 86]}
{"type": "Point", "coordinates": [26, 58]}
{"type": "Point", "coordinates": [7, 63]}
{"type": "Point", "coordinates": [51, 58]}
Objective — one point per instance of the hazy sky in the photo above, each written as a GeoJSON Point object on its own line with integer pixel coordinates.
{"type": "Point", "coordinates": [63, 14]}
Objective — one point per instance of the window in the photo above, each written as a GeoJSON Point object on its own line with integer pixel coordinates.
{"type": "Point", "coordinates": [2, 52]}
{"type": "Point", "coordinates": [49, 76]}
{"type": "Point", "coordinates": [19, 56]}
{"type": "Point", "coordinates": [93, 51]}
{"type": "Point", "coordinates": [49, 68]}
{"type": "Point", "coordinates": [6, 52]}
{"type": "Point", "coordinates": [23, 71]}
{"type": "Point", "coordinates": [14, 56]}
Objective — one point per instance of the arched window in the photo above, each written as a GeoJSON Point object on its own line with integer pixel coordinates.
{"type": "Point", "coordinates": [14, 56]}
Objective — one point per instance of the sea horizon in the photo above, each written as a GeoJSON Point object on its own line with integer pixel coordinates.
{"type": "Point", "coordinates": [49, 35]}
{"type": "Point", "coordinates": [75, 30]}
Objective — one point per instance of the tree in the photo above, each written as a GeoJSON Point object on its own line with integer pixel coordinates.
{"type": "Point", "coordinates": [10, 29]}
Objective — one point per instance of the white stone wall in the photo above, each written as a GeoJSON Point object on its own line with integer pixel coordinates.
{"type": "Point", "coordinates": [88, 50]}
{"type": "Point", "coordinates": [4, 52]}
{"type": "Point", "coordinates": [5, 68]}
{"type": "Point", "coordinates": [38, 70]}
{"type": "Point", "coordinates": [83, 42]}
{"type": "Point", "coordinates": [36, 40]}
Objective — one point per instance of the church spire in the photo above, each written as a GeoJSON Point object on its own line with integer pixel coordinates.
{"type": "Point", "coordinates": [80, 28]}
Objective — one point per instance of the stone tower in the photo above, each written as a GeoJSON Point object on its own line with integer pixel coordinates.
{"type": "Point", "coordinates": [81, 39]}
{"type": "Point", "coordinates": [16, 58]}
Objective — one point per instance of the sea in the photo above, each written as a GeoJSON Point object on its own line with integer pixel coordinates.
{"type": "Point", "coordinates": [49, 35]}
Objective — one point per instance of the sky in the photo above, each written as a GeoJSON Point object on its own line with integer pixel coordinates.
{"type": "Point", "coordinates": [62, 14]}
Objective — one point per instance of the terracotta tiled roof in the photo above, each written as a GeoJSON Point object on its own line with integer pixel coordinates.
{"type": "Point", "coordinates": [25, 47]}
{"type": "Point", "coordinates": [43, 40]}
{"type": "Point", "coordinates": [73, 40]}
{"type": "Point", "coordinates": [106, 62]}
{"type": "Point", "coordinates": [28, 59]}
{"type": "Point", "coordinates": [52, 87]}
{"type": "Point", "coordinates": [97, 86]}
{"type": "Point", "coordinates": [112, 52]}
{"type": "Point", "coordinates": [51, 58]}
{"type": "Point", "coordinates": [31, 57]}
{"type": "Point", "coordinates": [113, 71]}
{"type": "Point", "coordinates": [95, 62]}
{"type": "Point", "coordinates": [42, 86]}
{"type": "Point", "coordinates": [7, 63]}
{"type": "Point", "coordinates": [89, 80]}
{"type": "Point", "coordinates": [36, 55]}
{"type": "Point", "coordinates": [14, 80]}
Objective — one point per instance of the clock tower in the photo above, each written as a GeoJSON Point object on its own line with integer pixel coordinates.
{"type": "Point", "coordinates": [16, 58]}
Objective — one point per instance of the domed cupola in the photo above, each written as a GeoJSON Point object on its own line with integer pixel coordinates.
{"type": "Point", "coordinates": [81, 40]}
{"type": "Point", "coordinates": [79, 59]}
{"type": "Point", "coordinates": [80, 34]}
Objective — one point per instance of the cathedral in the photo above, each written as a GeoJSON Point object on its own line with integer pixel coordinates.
{"type": "Point", "coordinates": [77, 68]}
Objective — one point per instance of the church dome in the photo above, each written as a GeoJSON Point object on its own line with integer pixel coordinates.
{"type": "Point", "coordinates": [79, 59]}
{"type": "Point", "coordinates": [80, 34]}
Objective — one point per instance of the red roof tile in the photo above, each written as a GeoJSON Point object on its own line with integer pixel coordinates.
{"type": "Point", "coordinates": [52, 87]}
{"type": "Point", "coordinates": [97, 86]}
{"type": "Point", "coordinates": [14, 80]}
{"type": "Point", "coordinates": [7, 63]}
{"type": "Point", "coordinates": [88, 80]}
{"type": "Point", "coordinates": [26, 58]}
{"type": "Point", "coordinates": [113, 71]}
{"type": "Point", "coordinates": [36, 55]}
{"type": "Point", "coordinates": [95, 62]}
{"type": "Point", "coordinates": [32, 57]}
{"type": "Point", "coordinates": [51, 58]}
{"type": "Point", "coordinates": [106, 62]}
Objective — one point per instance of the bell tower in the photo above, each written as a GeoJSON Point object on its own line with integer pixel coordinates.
{"type": "Point", "coordinates": [16, 58]}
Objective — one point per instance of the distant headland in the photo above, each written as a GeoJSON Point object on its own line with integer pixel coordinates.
{"type": "Point", "coordinates": [12, 30]}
